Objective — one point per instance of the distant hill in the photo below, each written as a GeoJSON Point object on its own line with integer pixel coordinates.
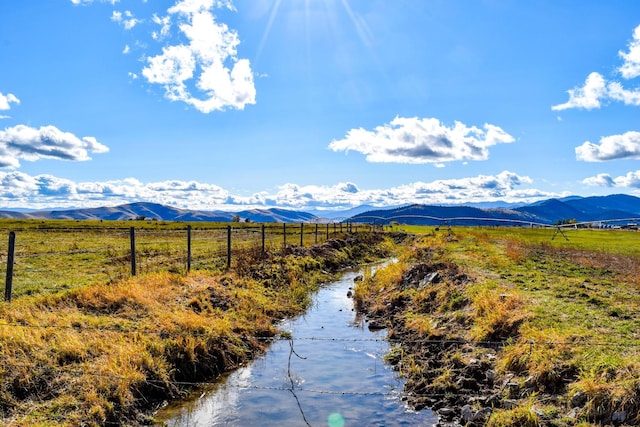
{"type": "Point", "coordinates": [125, 212]}
{"type": "Point", "coordinates": [585, 209]}
{"type": "Point", "coordinates": [439, 215]}
{"type": "Point", "coordinates": [331, 214]}
{"type": "Point", "coordinates": [550, 211]}
{"type": "Point", "coordinates": [276, 215]}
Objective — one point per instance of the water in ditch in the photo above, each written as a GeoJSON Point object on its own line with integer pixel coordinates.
{"type": "Point", "coordinates": [331, 373]}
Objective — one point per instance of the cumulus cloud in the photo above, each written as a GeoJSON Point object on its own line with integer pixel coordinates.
{"type": "Point", "coordinates": [631, 65]}
{"type": "Point", "coordinates": [588, 96]}
{"type": "Point", "coordinates": [205, 71]}
{"type": "Point", "coordinates": [415, 140]}
{"type": "Point", "coordinates": [597, 90]}
{"type": "Point", "coordinates": [625, 146]}
{"type": "Point", "coordinates": [165, 26]}
{"type": "Point", "coordinates": [24, 142]}
{"type": "Point", "coordinates": [7, 100]}
{"type": "Point", "coordinates": [600, 180]}
{"type": "Point", "coordinates": [18, 189]}
{"type": "Point", "coordinates": [126, 19]}
{"type": "Point", "coordinates": [630, 180]}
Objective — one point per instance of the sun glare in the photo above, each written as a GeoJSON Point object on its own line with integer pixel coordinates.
{"type": "Point", "coordinates": [318, 14]}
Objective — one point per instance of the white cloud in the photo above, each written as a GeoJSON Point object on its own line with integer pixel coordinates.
{"type": "Point", "coordinates": [597, 89]}
{"type": "Point", "coordinates": [631, 65]}
{"type": "Point", "coordinates": [600, 180]}
{"type": "Point", "coordinates": [625, 146]}
{"type": "Point", "coordinates": [588, 97]}
{"type": "Point", "coordinates": [18, 189]}
{"type": "Point", "coordinates": [630, 180]}
{"type": "Point", "coordinates": [23, 142]}
{"type": "Point", "coordinates": [628, 97]}
{"type": "Point", "coordinates": [126, 19]}
{"type": "Point", "coordinates": [7, 100]}
{"type": "Point", "coordinates": [165, 26]}
{"type": "Point", "coordinates": [198, 6]}
{"type": "Point", "coordinates": [207, 64]}
{"type": "Point", "coordinates": [414, 140]}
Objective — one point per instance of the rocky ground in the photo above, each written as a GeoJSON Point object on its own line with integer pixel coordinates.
{"type": "Point", "coordinates": [444, 370]}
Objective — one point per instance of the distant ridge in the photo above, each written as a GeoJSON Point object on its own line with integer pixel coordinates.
{"type": "Point", "coordinates": [436, 215]}
{"type": "Point", "coordinates": [550, 211]}
{"type": "Point", "coordinates": [276, 215]}
{"type": "Point", "coordinates": [126, 212]}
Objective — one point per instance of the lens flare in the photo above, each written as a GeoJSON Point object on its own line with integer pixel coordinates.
{"type": "Point", "coordinates": [335, 420]}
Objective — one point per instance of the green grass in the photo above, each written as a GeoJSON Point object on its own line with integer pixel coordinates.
{"type": "Point", "coordinates": [55, 255]}
{"type": "Point", "coordinates": [569, 308]}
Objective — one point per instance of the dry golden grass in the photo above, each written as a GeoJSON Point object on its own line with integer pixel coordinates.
{"type": "Point", "coordinates": [105, 354]}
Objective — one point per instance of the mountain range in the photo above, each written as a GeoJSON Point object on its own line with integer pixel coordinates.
{"type": "Point", "coordinates": [580, 209]}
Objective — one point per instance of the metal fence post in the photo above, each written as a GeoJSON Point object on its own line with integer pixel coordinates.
{"type": "Point", "coordinates": [228, 247]}
{"type": "Point", "coordinates": [10, 261]}
{"type": "Point", "coordinates": [132, 239]}
{"type": "Point", "coordinates": [188, 248]}
{"type": "Point", "coordinates": [301, 234]}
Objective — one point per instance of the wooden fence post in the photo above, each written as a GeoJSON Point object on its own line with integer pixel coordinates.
{"type": "Point", "coordinates": [301, 234]}
{"type": "Point", "coordinates": [132, 239]}
{"type": "Point", "coordinates": [262, 239]}
{"type": "Point", "coordinates": [188, 248]}
{"type": "Point", "coordinates": [228, 247]}
{"type": "Point", "coordinates": [10, 260]}
{"type": "Point", "coordinates": [316, 233]}
{"type": "Point", "coordinates": [327, 231]}
{"type": "Point", "coordinates": [284, 234]}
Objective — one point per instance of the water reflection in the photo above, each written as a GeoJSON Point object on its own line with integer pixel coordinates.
{"type": "Point", "coordinates": [331, 373]}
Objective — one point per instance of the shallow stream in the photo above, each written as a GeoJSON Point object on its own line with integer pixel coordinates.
{"type": "Point", "coordinates": [330, 373]}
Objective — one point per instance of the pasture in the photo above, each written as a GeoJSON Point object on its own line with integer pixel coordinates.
{"type": "Point", "coordinates": [55, 255]}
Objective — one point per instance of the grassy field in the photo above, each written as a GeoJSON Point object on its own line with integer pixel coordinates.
{"type": "Point", "coordinates": [554, 321]}
{"type": "Point", "coordinates": [55, 255]}
{"type": "Point", "coordinates": [565, 315]}
{"type": "Point", "coordinates": [108, 352]}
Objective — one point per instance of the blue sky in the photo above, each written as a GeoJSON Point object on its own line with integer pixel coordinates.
{"type": "Point", "coordinates": [316, 104]}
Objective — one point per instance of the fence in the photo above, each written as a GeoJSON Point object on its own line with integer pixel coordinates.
{"type": "Point", "coordinates": [50, 259]}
